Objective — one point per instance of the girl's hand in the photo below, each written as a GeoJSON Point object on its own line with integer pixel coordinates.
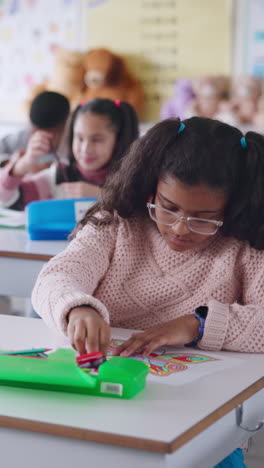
{"type": "Point", "coordinates": [38, 145]}
{"type": "Point", "coordinates": [87, 331]}
{"type": "Point", "coordinates": [80, 190]}
{"type": "Point", "coordinates": [175, 332]}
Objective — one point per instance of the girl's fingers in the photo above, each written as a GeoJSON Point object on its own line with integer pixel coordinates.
{"type": "Point", "coordinates": [69, 189]}
{"type": "Point", "coordinates": [135, 344]}
{"type": "Point", "coordinates": [92, 340]}
{"type": "Point", "coordinates": [104, 339]}
{"type": "Point", "coordinates": [145, 342]}
{"type": "Point", "coordinates": [154, 344]}
{"type": "Point", "coordinates": [70, 333]}
{"type": "Point", "coordinates": [117, 351]}
{"type": "Point", "coordinates": [136, 337]}
{"type": "Point", "coordinates": [79, 337]}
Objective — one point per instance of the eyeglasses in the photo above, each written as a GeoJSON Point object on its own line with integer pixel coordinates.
{"type": "Point", "coordinates": [169, 218]}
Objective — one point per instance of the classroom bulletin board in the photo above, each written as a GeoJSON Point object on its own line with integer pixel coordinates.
{"type": "Point", "coordinates": [29, 32]}
{"type": "Point", "coordinates": [162, 40]}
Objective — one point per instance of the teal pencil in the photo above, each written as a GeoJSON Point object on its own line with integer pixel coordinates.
{"type": "Point", "coordinates": [24, 352]}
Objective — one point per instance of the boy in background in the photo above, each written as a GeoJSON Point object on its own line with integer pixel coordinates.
{"type": "Point", "coordinates": [47, 117]}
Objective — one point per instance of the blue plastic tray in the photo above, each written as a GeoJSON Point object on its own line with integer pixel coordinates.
{"type": "Point", "coordinates": [55, 219]}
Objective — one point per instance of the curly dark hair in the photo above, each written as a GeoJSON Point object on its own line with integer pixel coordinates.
{"type": "Point", "coordinates": [206, 151]}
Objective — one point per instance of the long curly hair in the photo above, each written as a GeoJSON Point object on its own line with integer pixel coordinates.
{"type": "Point", "coordinates": [205, 152]}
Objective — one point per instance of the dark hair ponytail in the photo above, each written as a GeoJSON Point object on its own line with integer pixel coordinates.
{"type": "Point", "coordinates": [248, 220]}
{"type": "Point", "coordinates": [121, 116]}
{"type": "Point", "coordinates": [206, 152]}
{"type": "Point", "coordinates": [127, 129]}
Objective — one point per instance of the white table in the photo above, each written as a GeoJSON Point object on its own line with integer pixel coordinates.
{"type": "Point", "coordinates": [21, 260]}
{"type": "Point", "coordinates": [184, 426]}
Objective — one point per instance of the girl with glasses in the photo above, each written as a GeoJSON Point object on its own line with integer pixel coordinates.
{"type": "Point", "coordinates": [174, 247]}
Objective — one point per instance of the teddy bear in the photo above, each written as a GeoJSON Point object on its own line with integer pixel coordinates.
{"type": "Point", "coordinates": [82, 76]}
{"type": "Point", "coordinates": [177, 104]}
{"type": "Point", "coordinates": [245, 98]}
{"type": "Point", "coordinates": [68, 73]}
{"type": "Point", "coordinates": [209, 92]}
{"type": "Point", "coordinates": [107, 75]}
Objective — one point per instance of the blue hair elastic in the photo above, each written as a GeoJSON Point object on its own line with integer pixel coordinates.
{"type": "Point", "coordinates": [243, 142]}
{"type": "Point", "coordinates": [181, 127]}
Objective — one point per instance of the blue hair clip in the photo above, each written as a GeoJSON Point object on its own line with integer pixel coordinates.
{"type": "Point", "coordinates": [181, 127]}
{"type": "Point", "coordinates": [243, 142]}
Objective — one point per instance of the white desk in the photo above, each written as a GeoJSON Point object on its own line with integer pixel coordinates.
{"type": "Point", "coordinates": [183, 426]}
{"type": "Point", "coordinates": [21, 260]}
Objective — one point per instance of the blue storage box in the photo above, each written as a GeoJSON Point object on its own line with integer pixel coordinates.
{"type": "Point", "coordinates": [55, 219]}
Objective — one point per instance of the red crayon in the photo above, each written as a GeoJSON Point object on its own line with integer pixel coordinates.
{"type": "Point", "coordinates": [83, 358]}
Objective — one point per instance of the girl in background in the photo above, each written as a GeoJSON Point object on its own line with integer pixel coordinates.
{"type": "Point", "coordinates": [100, 132]}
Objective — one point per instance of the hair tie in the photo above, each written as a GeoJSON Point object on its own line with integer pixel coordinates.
{"type": "Point", "coordinates": [181, 127]}
{"type": "Point", "coordinates": [243, 142]}
{"type": "Point", "coordinates": [83, 103]}
{"type": "Point", "coordinates": [117, 102]}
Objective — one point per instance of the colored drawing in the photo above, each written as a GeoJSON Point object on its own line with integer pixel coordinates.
{"type": "Point", "coordinates": [162, 363]}
{"type": "Point", "coordinates": [34, 29]}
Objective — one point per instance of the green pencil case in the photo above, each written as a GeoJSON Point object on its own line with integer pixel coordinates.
{"type": "Point", "coordinates": [118, 377]}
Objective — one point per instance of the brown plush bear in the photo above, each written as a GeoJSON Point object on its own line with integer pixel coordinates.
{"type": "Point", "coordinates": [97, 73]}
{"type": "Point", "coordinates": [107, 76]}
{"type": "Point", "coordinates": [68, 73]}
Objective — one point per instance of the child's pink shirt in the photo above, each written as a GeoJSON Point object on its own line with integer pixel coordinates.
{"type": "Point", "coordinates": [134, 280]}
{"type": "Point", "coordinates": [37, 186]}
{"type": "Point", "coordinates": [18, 191]}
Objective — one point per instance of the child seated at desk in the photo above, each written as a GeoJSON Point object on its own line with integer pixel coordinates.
{"type": "Point", "coordinates": [47, 118]}
{"type": "Point", "coordinates": [100, 132]}
{"type": "Point", "coordinates": [174, 247]}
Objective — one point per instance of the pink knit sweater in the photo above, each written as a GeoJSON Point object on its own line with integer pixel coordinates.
{"type": "Point", "coordinates": [134, 280]}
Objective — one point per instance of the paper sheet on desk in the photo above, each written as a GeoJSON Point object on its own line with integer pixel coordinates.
{"type": "Point", "coordinates": [182, 365]}
{"type": "Point", "coordinates": [168, 365]}
{"type": "Point", "coordinates": [12, 218]}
